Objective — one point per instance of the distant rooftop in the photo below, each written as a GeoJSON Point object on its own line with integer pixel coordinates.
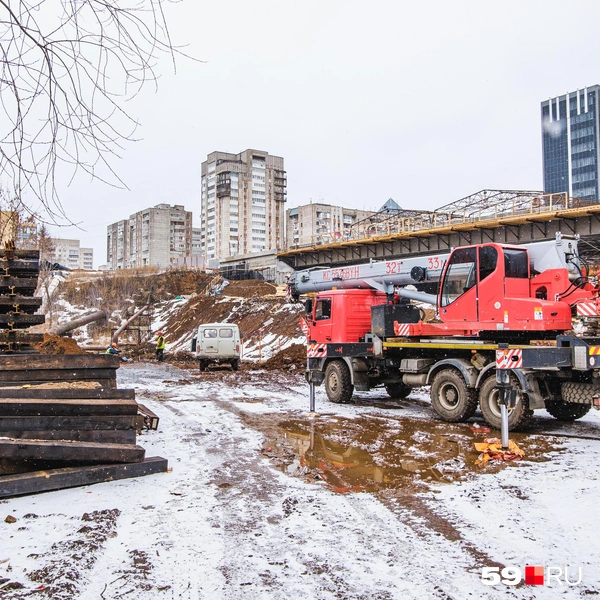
{"type": "Point", "coordinates": [391, 206]}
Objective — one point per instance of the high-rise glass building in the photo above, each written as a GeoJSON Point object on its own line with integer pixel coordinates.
{"type": "Point", "coordinates": [570, 136]}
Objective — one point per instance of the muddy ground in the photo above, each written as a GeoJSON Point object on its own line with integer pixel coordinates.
{"type": "Point", "coordinates": [374, 500]}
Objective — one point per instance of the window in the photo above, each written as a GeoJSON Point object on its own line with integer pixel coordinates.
{"type": "Point", "coordinates": [516, 263]}
{"type": "Point", "coordinates": [460, 275]}
{"type": "Point", "coordinates": [488, 259]}
{"type": "Point", "coordinates": [323, 309]}
{"type": "Point", "coordinates": [210, 333]}
{"type": "Point", "coordinates": [226, 333]}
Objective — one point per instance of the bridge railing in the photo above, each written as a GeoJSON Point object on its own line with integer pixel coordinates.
{"type": "Point", "coordinates": [516, 206]}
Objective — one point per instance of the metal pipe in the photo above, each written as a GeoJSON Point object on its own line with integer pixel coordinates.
{"type": "Point", "coordinates": [419, 296]}
{"type": "Point", "coordinates": [503, 381]}
{"type": "Point", "coordinates": [504, 426]}
{"type": "Point", "coordinates": [311, 396]}
{"type": "Point", "coordinates": [80, 322]}
{"type": "Point", "coordinates": [115, 337]}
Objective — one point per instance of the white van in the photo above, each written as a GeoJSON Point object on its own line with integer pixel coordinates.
{"type": "Point", "coordinates": [217, 343]}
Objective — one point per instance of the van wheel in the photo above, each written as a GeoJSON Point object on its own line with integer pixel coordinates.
{"type": "Point", "coordinates": [235, 365]}
{"type": "Point", "coordinates": [202, 365]}
{"type": "Point", "coordinates": [451, 399]}
{"type": "Point", "coordinates": [338, 384]}
{"type": "Point", "coordinates": [518, 417]}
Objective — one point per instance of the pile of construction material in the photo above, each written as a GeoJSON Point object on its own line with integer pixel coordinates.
{"type": "Point", "coordinates": [63, 422]}
{"type": "Point", "coordinates": [19, 270]}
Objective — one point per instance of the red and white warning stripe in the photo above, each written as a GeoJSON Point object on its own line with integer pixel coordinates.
{"type": "Point", "coordinates": [304, 326]}
{"type": "Point", "coordinates": [587, 309]}
{"type": "Point", "coordinates": [401, 329]}
{"type": "Point", "coordinates": [316, 350]}
{"type": "Point", "coordinates": [509, 359]}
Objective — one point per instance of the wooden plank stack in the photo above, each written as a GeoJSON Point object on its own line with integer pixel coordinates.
{"type": "Point", "coordinates": [63, 422]}
{"type": "Point", "coordinates": [19, 271]}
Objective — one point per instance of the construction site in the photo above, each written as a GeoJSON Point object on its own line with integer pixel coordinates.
{"type": "Point", "coordinates": [357, 442]}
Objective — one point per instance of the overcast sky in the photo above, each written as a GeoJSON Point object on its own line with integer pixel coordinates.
{"type": "Point", "coordinates": [422, 102]}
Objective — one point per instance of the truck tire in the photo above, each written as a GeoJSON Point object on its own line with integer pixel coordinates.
{"type": "Point", "coordinates": [567, 411]}
{"type": "Point", "coordinates": [578, 393]}
{"type": "Point", "coordinates": [451, 398]}
{"type": "Point", "coordinates": [338, 384]}
{"type": "Point", "coordinates": [518, 417]}
{"type": "Point", "coordinates": [235, 364]}
{"type": "Point", "coordinates": [202, 364]}
{"type": "Point", "coordinates": [398, 390]}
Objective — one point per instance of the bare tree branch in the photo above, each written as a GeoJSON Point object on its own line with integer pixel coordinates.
{"type": "Point", "coordinates": [67, 67]}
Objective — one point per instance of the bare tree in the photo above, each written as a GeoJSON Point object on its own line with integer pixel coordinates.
{"type": "Point", "coordinates": [67, 67]}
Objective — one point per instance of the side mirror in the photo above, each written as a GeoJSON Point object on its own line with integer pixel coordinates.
{"type": "Point", "coordinates": [308, 306]}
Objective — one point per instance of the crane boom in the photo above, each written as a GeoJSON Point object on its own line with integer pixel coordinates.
{"type": "Point", "coordinates": [387, 275]}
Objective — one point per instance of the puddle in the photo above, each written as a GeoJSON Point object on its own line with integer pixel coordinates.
{"type": "Point", "coordinates": [371, 454]}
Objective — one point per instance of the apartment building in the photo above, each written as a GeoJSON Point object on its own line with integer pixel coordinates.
{"type": "Point", "coordinates": [196, 241]}
{"type": "Point", "coordinates": [319, 223]}
{"type": "Point", "coordinates": [28, 235]}
{"type": "Point", "coordinates": [69, 253]}
{"type": "Point", "coordinates": [160, 236]}
{"type": "Point", "coordinates": [242, 204]}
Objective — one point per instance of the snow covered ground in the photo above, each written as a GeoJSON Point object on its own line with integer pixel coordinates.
{"type": "Point", "coordinates": [238, 517]}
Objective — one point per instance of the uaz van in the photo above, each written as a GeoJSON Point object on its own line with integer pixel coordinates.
{"type": "Point", "coordinates": [217, 343]}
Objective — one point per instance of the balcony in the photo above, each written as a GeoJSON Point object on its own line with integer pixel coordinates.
{"type": "Point", "coordinates": [224, 190]}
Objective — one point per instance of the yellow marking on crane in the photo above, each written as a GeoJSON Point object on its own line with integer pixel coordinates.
{"type": "Point", "coordinates": [446, 345]}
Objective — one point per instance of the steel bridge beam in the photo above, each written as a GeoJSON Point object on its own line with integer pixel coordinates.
{"type": "Point", "coordinates": [584, 222]}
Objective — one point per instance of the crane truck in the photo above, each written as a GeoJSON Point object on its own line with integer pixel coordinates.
{"type": "Point", "coordinates": [497, 305]}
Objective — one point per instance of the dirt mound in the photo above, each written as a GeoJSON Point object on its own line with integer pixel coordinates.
{"type": "Point", "coordinates": [109, 291]}
{"type": "Point", "coordinates": [249, 313]}
{"type": "Point", "coordinates": [54, 344]}
{"type": "Point", "coordinates": [181, 301]}
{"type": "Point", "coordinates": [249, 288]}
{"type": "Point", "coordinates": [291, 358]}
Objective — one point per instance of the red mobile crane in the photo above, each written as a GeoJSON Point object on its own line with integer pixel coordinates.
{"type": "Point", "coordinates": [364, 329]}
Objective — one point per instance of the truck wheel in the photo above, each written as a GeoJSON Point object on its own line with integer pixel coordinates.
{"type": "Point", "coordinates": [567, 411]}
{"type": "Point", "coordinates": [452, 400]}
{"type": "Point", "coordinates": [338, 383]}
{"type": "Point", "coordinates": [235, 365]}
{"type": "Point", "coordinates": [398, 390]}
{"type": "Point", "coordinates": [518, 417]}
{"type": "Point", "coordinates": [202, 364]}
